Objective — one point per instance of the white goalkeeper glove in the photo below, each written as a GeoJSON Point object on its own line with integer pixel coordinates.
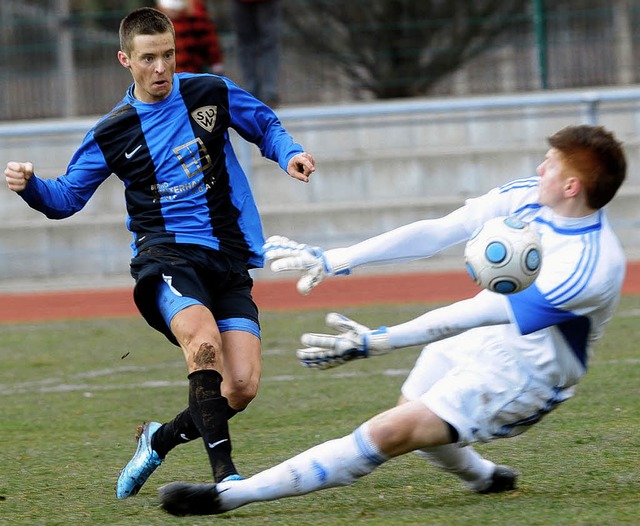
{"type": "Point", "coordinates": [324, 351]}
{"type": "Point", "coordinates": [286, 254]}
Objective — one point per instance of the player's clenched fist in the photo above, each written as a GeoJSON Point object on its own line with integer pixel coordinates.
{"type": "Point", "coordinates": [17, 175]}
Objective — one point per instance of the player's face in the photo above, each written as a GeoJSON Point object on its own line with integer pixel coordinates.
{"type": "Point", "coordinates": [152, 63]}
{"type": "Point", "coordinates": [553, 172]}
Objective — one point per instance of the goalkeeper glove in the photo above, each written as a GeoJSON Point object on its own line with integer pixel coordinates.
{"type": "Point", "coordinates": [313, 262]}
{"type": "Point", "coordinates": [325, 351]}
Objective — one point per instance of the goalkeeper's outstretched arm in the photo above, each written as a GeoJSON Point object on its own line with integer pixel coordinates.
{"type": "Point", "coordinates": [355, 341]}
{"type": "Point", "coordinates": [413, 241]}
{"type": "Point", "coordinates": [421, 239]}
{"type": "Point", "coordinates": [486, 308]}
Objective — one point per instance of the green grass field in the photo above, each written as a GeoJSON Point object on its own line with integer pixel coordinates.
{"type": "Point", "coordinates": [71, 394]}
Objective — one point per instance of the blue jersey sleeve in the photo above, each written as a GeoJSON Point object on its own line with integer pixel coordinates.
{"type": "Point", "coordinates": [64, 196]}
{"type": "Point", "coordinates": [532, 311]}
{"type": "Point", "coordinates": [257, 123]}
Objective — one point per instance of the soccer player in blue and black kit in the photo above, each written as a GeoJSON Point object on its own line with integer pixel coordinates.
{"type": "Point", "coordinates": [196, 229]}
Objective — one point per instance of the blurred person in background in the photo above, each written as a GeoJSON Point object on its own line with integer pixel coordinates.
{"type": "Point", "coordinates": [198, 47]}
{"type": "Point", "coordinates": [257, 27]}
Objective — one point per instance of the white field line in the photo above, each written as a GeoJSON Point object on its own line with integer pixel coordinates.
{"type": "Point", "coordinates": [59, 385]}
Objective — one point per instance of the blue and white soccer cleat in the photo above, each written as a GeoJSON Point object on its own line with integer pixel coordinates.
{"type": "Point", "coordinates": [144, 462]}
{"type": "Point", "coordinates": [230, 478]}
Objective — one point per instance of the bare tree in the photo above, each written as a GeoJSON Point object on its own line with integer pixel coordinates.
{"type": "Point", "coordinates": [399, 48]}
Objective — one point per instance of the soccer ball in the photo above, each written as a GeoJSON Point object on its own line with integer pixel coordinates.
{"type": "Point", "coordinates": [504, 255]}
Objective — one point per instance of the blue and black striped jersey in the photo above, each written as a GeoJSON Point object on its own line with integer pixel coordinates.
{"type": "Point", "coordinates": [183, 182]}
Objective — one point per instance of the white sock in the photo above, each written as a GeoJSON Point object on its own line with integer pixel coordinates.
{"type": "Point", "coordinates": [464, 462]}
{"type": "Point", "coordinates": [334, 463]}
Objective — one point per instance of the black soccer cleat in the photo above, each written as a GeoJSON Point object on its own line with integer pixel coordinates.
{"type": "Point", "coordinates": [503, 479]}
{"type": "Point", "coordinates": [184, 498]}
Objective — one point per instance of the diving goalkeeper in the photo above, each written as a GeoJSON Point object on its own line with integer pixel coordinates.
{"type": "Point", "coordinates": [493, 365]}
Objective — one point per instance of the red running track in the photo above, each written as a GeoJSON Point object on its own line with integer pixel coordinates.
{"type": "Point", "coordinates": [269, 295]}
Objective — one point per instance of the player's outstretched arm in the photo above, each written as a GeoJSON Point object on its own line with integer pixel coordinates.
{"type": "Point", "coordinates": [420, 239]}
{"type": "Point", "coordinates": [314, 263]}
{"type": "Point", "coordinates": [17, 175]}
{"type": "Point", "coordinates": [324, 351]}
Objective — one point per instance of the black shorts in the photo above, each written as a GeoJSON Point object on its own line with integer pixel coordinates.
{"type": "Point", "coordinates": [220, 283]}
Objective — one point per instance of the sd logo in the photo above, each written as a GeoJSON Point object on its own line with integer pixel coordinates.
{"type": "Point", "coordinates": [205, 116]}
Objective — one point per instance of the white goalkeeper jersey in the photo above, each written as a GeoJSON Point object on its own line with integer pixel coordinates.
{"type": "Point", "coordinates": [555, 322]}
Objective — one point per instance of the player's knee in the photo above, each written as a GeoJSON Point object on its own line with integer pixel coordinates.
{"type": "Point", "coordinates": [192, 328]}
{"type": "Point", "coordinates": [202, 349]}
{"type": "Point", "coordinates": [240, 392]}
{"type": "Point", "coordinates": [407, 427]}
{"type": "Point", "coordinates": [387, 435]}
{"type": "Point", "coordinates": [205, 355]}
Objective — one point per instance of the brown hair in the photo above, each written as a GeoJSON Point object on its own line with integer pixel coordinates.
{"type": "Point", "coordinates": [598, 158]}
{"type": "Point", "coordinates": [143, 21]}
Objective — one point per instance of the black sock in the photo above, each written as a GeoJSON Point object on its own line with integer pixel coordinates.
{"type": "Point", "coordinates": [208, 410]}
{"type": "Point", "coordinates": [180, 430]}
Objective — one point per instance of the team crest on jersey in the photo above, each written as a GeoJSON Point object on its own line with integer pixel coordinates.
{"type": "Point", "coordinates": [205, 116]}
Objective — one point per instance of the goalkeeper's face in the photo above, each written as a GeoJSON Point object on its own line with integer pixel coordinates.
{"type": "Point", "coordinates": [152, 63]}
{"type": "Point", "coordinates": [556, 176]}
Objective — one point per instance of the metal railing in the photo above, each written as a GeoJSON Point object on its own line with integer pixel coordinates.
{"type": "Point", "coordinates": [348, 135]}
{"type": "Point", "coordinates": [589, 101]}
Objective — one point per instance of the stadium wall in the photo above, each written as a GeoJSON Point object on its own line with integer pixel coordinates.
{"type": "Point", "coordinates": [379, 165]}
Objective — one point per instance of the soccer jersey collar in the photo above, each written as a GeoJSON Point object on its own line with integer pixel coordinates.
{"type": "Point", "coordinates": [575, 224]}
{"type": "Point", "coordinates": [130, 99]}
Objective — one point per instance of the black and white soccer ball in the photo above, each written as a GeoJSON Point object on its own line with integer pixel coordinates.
{"type": "Point", "coordinates": [504, 255]}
